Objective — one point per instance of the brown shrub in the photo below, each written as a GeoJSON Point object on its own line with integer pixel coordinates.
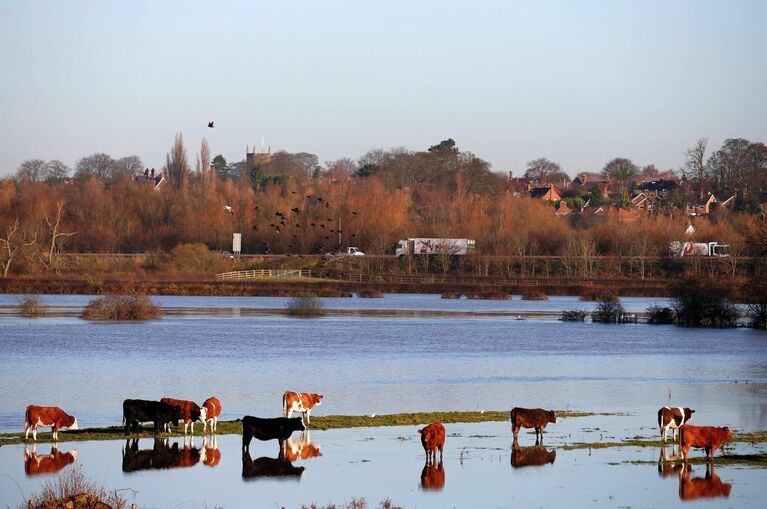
{"type": "Point", "coordinates": [121, 307]}
{"type": "Point", "coordinates": [534, 295]}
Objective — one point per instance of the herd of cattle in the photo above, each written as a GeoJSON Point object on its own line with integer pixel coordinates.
{"type": "Point", "coordinates": [169, 411]}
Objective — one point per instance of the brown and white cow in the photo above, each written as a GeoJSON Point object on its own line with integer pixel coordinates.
{"type": "Point", "coordinates": [702, 487]}
{"type": "Point", "coordinates": [51, 416]}
{"type": "Point", "coordinates": [667, 463]}
{"type": "Point", "coordinates": [301, 403]}
{"type": "Point", "coordinates": [673, 417]}
{"type": "Point", "coordinates": [50, 464]}
{"type": "Point", "coordinates": [190, 411]}
{"type": "Point", "coordinates": [432, 439]}
{"type": "Point", "coordinates": [302, 449]}
{"type": "Point", "coordinates": [209, 454]}
{"type": "Point", "coordinates": [709, 438]}
{"type": "Point", "coordinates": [531, 418]}
{"type": "Point", "coordinates": [209, 412]}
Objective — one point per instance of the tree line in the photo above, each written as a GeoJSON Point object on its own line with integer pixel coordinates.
{"type": "Point", "coordinates": [291, 204]}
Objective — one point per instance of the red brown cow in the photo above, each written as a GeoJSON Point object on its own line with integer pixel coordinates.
{"type": "Point", "coordinates": [531, 418]}
{"type": "Point", "coordinates": [301, 403]}
{"type": "Point", "coordinates": [710, 438]}
{"type": "Point", "coordinates": [702, 487]}
{"type": "Point", "coordinates": [55, 461]}
{"type": "Point", "coordinates": [210, 411]}
{"type": "Point", "coordinates": [303, 449]}
{"type": "Point", "coordinates": [51, 416]}
{"type": "Point", "coordinates": [209, 454]}
{"type": "Point", "coordinates": [433, 476]}
{"type": "Point", "coordinates": [433, 438]}
{"type": "Point", "coordinates": [673, 417]}
{"type": "Point", "coordinates": [190, 411]}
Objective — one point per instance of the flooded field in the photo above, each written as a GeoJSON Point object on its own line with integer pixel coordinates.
{"type": "Point", "coordinates": [480, 469]}
{"type": "Point", "coordinates": [367, 365]}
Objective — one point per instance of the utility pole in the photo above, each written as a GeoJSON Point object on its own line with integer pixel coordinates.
{"type": "Point", "coordinates": [339, 233]}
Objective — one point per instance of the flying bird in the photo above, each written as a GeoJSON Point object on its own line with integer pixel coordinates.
{"type": "Point", "coordinates": [229, 209]}
{"type": "Point", "coordinates": [354, 213]}
{"type": "Point", "coordinates": [210, 124]}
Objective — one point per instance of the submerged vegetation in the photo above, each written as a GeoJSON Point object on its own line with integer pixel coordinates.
{"type": "Point", "coordinates": [121, 307]}
{"type": "Point", "coordinates": [29, 305]}
{"type": "Point", "coordinates": [697, 304]}
{"type": "Point", "coordinates": [534, 295]}
{"type": "Point", "coordinates": [573, 315]}
{"type": "Point", "coordinates": [305, 306]}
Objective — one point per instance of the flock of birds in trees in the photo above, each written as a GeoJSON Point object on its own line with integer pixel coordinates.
{"type": "Point", "coordinates": [283, 221]}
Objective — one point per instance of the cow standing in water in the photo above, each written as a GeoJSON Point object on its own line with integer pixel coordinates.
{"type": "Point", "coordinates": [709, 438]}
{"type": "Point", "coordinates": [51, 416]}
{"type": "Point", "coordinates": [209, 413]}
{"type": "Point", "coordinates": [673, 417]}
{"type": "Point", "coordinates": [531, 418]}
{"type": "Point", "coordinates": [433, 439]}
{"type": "Point", "coordinates": [301, 403]}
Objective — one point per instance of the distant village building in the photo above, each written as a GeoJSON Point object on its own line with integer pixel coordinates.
{"type": "Point", "coordinates": [253, 158]}
{"type": "Point", "coordinates": [548, 193]}
{"type": "Point", "coordinates": [645, 202]}
{"type": "Point", "coordinates": [700, 206]}
{"type": "Point", "coordinates": [156, 179]}
{"type": "Point", "coordinates": [661, 188]}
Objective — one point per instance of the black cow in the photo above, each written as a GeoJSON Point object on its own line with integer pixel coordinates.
{"type": "Point", "coordinates": [279, 428]}
{"type": "Point", "coordinates": [268, 467]}
{"type": "Point", "coordinates": [136, 411]}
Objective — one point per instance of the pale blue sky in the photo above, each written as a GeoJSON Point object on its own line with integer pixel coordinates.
{"type": "Point", "coordinates": [577, 82]}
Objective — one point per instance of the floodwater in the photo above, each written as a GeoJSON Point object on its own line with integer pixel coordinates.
{"type": "Point", "coordinates": [480, 469]}
{"type": "Point", "coordinates": [366, 365]}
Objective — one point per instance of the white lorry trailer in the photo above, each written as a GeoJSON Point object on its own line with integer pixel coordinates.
{"type": "Point", "coordinates": [434, 246]}
{"type": "Point", "coordinates": [699, 249]}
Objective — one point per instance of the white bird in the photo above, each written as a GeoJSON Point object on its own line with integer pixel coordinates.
{"type": "Point", "coordinates": [229, 209]}
{"type": "Point", "coordinates": [481, 411]}
{"type": "Point", "coordinates": [372, 415]}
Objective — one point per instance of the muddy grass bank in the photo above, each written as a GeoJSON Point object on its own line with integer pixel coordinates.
{"type": "Point", "coordinates": [275, 287]}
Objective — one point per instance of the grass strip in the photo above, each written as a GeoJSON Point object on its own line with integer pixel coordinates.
{"type": "Point", "coordinates": [317, 423]}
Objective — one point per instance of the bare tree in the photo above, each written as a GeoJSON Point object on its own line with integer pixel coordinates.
{"type": "Point", "coordinates": [622, 170]}
{"type": "Point", "coordinates": [11, 243]}
{"type": "Point", "coordinates": [545, 171]}
{"type": "Point", "coordinates": [31, 170]}
{"type": "Point", "coordinates": [176, 165]}
{"type": "Point", "coordinates": [54, 225]}
{"type": "Point", "coordinates": [206, 172]}
{"type": "Point", "coordinates": [129, 165]}
{"type": "Point", "coordinates": [694, 166]}
{"type": "Point", "coordinates": [99, 165]}
{"type": "Point", "coordinates": [56, 170]}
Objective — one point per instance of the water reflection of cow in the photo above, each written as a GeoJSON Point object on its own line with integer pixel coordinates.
{"type": "Point", "coordinates": [50, 464]}
{"type": "Point", "coordinates": [531, 456]}
{"type": "Point", "coordinates": [667, 465]}
{"type": "Point", "coordinates": [161, 456]}
{"type": "Point", "coordinates": [209, 454]}
{"type": "Point", "coordinates": [702, 487]}
{"type": "Point", "coordinates": [269, 467]}
{"type": "Point", "coordinates": [433, 476]}
{"type": "Point", "coordinates": [301, 449]}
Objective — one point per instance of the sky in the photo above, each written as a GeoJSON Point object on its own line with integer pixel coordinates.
{"type": "Point", "coordinates": [577, 82]}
